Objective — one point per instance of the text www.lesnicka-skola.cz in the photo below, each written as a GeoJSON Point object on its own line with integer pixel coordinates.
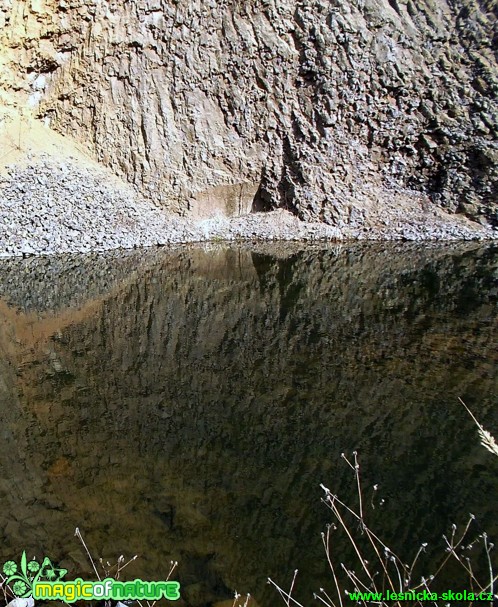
{"type": "Point", "coordinates": [422, 595]}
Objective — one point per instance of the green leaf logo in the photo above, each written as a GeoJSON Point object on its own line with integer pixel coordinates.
{"type": "Point", "coordinates": [9, 568]}
{"type": "Point", "coordinates": [21, 580]}
{"type": "Point", "coordinates": [51, 573]}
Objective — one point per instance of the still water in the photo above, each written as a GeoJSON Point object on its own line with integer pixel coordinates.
{"type": "Point", "coordinates": [186, 405]}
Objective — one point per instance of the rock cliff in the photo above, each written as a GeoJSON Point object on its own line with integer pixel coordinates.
{"type": "Point", "coordinates": [342, 111]}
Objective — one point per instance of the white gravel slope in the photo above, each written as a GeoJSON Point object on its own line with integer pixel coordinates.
{"type": "Point", "coordinates": [54, 206]}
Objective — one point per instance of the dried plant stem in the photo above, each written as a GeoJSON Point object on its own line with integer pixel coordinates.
{"type": "Point", "coordinates": [292, 586]}
{"type": "Point", "coordinates": [488, 547]}
{"type": "Point", "coordinates": [395, 573]}
{"type": "Point", "coordinates": [487, 439]}
{"type": "Point", "coordinates": [283, 594]}
{"type": "Point", "coordinates": [353, 543]}
{"type": "Point", "coordinates": [371, 536]}
{"type": "Point", "coordinates": [79, 536]}
{"type": "Point", "coordinates": [326, 543]}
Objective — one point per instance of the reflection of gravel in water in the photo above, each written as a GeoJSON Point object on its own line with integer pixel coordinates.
{"type": "Point", "coordinates": [50, 208]}
{"type": "Point", "coordinates": [55, 282]}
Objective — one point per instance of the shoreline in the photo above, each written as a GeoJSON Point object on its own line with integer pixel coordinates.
{"type": "Point", "coordinates": [242, 230]}
{"type": "Point", "coordinates": [50, 206]}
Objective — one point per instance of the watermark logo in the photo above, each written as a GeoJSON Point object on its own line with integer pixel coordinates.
{"type": "Point", "coordinates": [45, 581]}
{"type": "Point", "coordinates": [22, 577]}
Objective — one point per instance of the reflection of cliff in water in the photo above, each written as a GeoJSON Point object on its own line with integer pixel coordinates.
{"type": "Point", "coordinates": [193, 411]}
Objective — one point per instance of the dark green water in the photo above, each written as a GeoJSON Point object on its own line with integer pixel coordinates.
{"type": "Point", "coordinates": [187, 405]}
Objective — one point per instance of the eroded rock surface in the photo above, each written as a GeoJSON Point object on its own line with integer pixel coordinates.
{"type": "Point", "coordinates": [329, 108]}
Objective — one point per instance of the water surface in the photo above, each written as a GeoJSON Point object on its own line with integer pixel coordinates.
{"type": "Point", "coordinates": [187, 405]}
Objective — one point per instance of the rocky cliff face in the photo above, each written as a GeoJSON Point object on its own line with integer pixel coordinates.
{"type": "Point", "coordinates": [337, 110]}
